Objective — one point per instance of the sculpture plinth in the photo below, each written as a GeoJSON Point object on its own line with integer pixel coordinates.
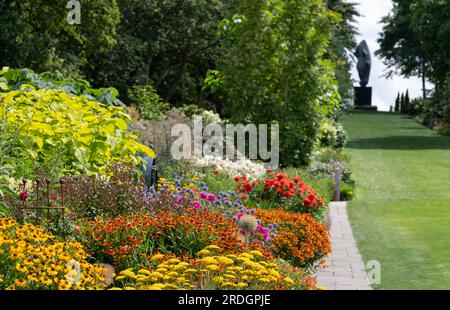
{"type": "Point", "coordinates": [363, 99]}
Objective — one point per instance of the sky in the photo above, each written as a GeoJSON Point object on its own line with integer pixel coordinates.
{"type": "Point", "coordinates": [384, 90]}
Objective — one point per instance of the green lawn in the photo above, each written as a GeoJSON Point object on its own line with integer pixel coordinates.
{"type": "Point", "coordinates": [401, 213]}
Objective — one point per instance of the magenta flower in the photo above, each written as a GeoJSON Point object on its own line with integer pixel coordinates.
{"type": "Point", "coordinates": [197, 205]}
{"type": "Point", "coordinates": [23, 196]}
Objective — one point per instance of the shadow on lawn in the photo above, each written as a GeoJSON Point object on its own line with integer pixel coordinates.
{"type": "Point", "coordinates": [402, 143]}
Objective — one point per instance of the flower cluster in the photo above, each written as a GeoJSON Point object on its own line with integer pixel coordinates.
{"type": "Point", "coordinates": [250, 270]}
{"type": "Point", "coordinates": [280, 191]}
{"type": "Point", "coordinates": [245, 166]}
{"type": "Point", "coordinates": [33, 259]}
{"type": "Point", "coordinates": [301, 239]}
{"type": "Point", "coordinates": [123, 240]}
{"type": "Point", "coordinates": [179, 195]}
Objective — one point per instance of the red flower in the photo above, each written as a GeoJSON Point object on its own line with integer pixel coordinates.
{"type": "Point", "coordinates": [281, 176]}
{"type": "Point", "coordinates": [52, 197]}
{"type": "Point", "coordinates": [244, 178]}
{"type": "Point", "coordinates": [23, 196]}
{"type": "Point", "coordinates": [312, 197]}
{"type": "Point", "coordinates": [320, 201]}
{"type": "Point", "coordinates": [237, 179]}
{"type": "Point", "coordinates": [297, 180]}
{"type": "Point", "coordinates": [270, 171]}
{"type": "Point", "coordinates": [71, 214]}
{"type": "Point", "coordinates": [306, 202]}
{"type": "Point", "coordinates": [248, 187]}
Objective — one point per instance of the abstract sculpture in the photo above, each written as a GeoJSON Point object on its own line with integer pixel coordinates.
{"type": "Point", "coordinates": [364, 63]}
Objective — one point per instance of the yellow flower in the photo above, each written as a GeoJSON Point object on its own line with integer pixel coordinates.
{"type": "Point", "coordinates": [228, 284]}
{"type": "Point", "coordinates": [20, 282]}
{"type": "Point", "coordinates": [162, 270]}
{"type": "Point", "coordinates": [157, 257]}
{"type": "Point", "coordinates": [289, 281]}
{"type": "Point", "coordinates": [212, 267]}
{"type": "Point", "coordinates": [203, 253]}
{"type": "Point", "coordinates": [321, 288]}
{"type": "Point", "coordinates": [208, 260]}
{"type": "Point", "coordinates": [230, 276]}
{"type": "Point", "coordinates": [21, 268]}
{"type": "Point", "coordinates": [129, 288]}
{"type": "Point", "coordinates": [264, 280]}
{"type": "Point", "coordinates": [46, 280]}
{"type": "Point", "coordinates": [119, 278]}
{"type": "Point", "coordinates": [225, 260]}
{"type": "Point", "coordinates": [157, 275]}
{"type": "Point", "coordinates": [190, 271]}
{"type": "Point", "coordinates": [256, 253]}
{"type": "Point", "coordinates": [129, 274]}
{"type": "Point", "coordinates": [173, 261]}
{"type": "Point", "coordinates": [242, 284]}
{"type": "Point", "coordinates": [115, 289]}
{"type": "Point", "coordinates": [218, 280]}
{"type": "Point", "coordinates": [144, 272]}
{"type": "Point", "coordinates": [212, 248]}
{"type": "Point", "coordinates": [173, 274]}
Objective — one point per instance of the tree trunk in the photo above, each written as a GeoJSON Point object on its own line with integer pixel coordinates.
{"type": "Point", "coordinates": [424, 82]}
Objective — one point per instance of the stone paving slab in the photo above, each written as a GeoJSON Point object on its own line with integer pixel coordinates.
{"type": "Point", "coordinates": [345, 269]}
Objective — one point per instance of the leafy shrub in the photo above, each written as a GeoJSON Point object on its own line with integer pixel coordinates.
{"type": "Point", "coordinates": [90, 197]}
{"type": "Point", "coordinates": [341, 140]}
{"type": "Point", "coordinates": [34, 260]}
{"type": "Point", "coordinates": [212, 271]}
{"type": "Point", "coordinates": [301, 239]}
{"type": "Point", "coordinates": [347, 192]}
{"type": "Point", "coordinates": [85, 135]}
{"type": "Point", "coordinates": [13, 79]}
{"type": "Point", "coordinates": [327, 135]}
{"type": "Point", "coordinates": [5, 162]}
{"type": "Point", "coordinates": [148, 103]}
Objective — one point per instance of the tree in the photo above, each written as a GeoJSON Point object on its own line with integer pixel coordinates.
{"type": "Point", "coordinates": [343, 44]}
{"type": "Point", "coordinates": [407, 102]}
{"type": "Point", "coordinates": [400, 47]}
{"type": "Point", "coordinates": [36, 34]}
{"type": "Point", "coordinates": [402, 103]}
{"type": "Point", "coordinates": [397, 103]}
{"type": "Point", "coordinates": [168, 44]}
{"type": "Point", "coordinates": [274, 66]}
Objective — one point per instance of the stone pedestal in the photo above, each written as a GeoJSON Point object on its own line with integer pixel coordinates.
{"type": "Point", "coordinates": [363, 99]}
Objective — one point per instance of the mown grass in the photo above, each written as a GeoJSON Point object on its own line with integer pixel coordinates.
{"type": "Point", "coordinates": [401, 213]}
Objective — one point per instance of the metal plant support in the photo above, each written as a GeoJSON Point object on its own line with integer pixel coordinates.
{"type": "Point", "coordinates": [43, 202]}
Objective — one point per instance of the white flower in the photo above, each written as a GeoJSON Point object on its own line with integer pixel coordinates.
{"type": "Point", "coordinates": [240, 167]}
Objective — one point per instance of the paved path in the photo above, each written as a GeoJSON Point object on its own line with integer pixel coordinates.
{"type": "Point", "coordinates": [345, 268]}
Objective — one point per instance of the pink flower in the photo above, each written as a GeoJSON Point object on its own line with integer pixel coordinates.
{"type": "Point", "coordinates": [180, 199]}
{"type": "Point", "coordinates": [52, 197]}
{"type": "Point", "coordinates": [197, 205]}
{"type": "Point", "coordinates": [71, 214]}
{"type": "Point", "coordinates": [240, 215]}
{"type": "Point", "coordinates": [212, 198]}
{"type": "Point", "coordinates": [77, 231]}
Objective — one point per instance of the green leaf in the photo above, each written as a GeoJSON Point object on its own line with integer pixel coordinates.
{"type": "Point", "coordinates": [82, 155]}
